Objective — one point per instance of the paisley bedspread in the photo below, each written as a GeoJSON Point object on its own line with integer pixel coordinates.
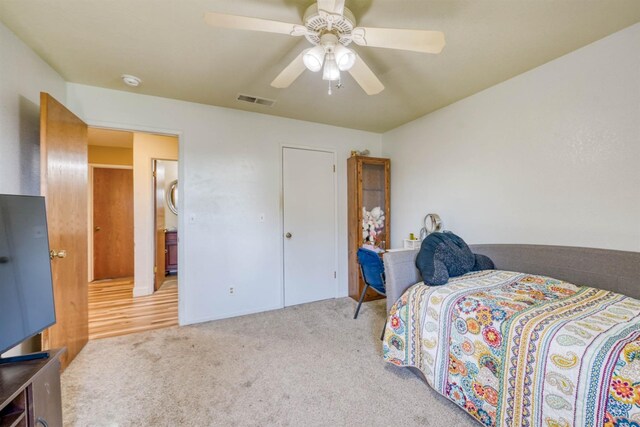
{"type": "Point", "coordinates": [515, 349]}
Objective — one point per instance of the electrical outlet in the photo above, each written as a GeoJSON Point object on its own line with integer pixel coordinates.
{"type": "Point", "coordinates": [231, 291]}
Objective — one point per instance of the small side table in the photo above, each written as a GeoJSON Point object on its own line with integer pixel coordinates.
{"type": "Point", "coordinates": [411, 244]}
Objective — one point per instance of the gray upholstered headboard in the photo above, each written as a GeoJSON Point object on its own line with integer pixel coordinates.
{"type": "Point", "coordinates": [617, 271]}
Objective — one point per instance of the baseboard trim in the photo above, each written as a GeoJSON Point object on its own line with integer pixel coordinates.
{"type": "Point", "coordinates": [230, 315]}
{"type": "Point", "coordinates": [139, 291]}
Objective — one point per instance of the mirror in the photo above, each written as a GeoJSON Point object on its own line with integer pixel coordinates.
{"type": "Point", "coordinates": [172, 197]}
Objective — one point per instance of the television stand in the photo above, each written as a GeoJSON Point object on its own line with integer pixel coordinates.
{"type": "Point", "coordinates": [24, 357]}
{"type": "Point", "coordinates": [30, 392]}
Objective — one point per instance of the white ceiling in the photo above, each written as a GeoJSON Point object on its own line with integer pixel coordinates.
{"type": "Point", "coordinates": [110, 138]}
{"type": "Point", "coordinates": [168, 45]}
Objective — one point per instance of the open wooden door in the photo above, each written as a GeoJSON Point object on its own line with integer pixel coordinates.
{"type": "Point", "coordinates": [158, 191]}
{"type": "Point", "coordinates": [63, 157]}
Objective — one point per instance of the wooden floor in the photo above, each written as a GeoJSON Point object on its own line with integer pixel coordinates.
{"type": "Point", "coordinates": [113, 310]}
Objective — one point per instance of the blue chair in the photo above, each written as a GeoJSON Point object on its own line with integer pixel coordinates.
{"type": "Point", "coordinates": [372, 271]}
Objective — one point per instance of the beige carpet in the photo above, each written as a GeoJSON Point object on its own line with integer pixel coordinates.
{"type": "Point", "coordinates": [308, 365]}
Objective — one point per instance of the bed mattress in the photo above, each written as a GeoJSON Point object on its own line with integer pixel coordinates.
{"type": "Point", "coordinates": [523, 350]}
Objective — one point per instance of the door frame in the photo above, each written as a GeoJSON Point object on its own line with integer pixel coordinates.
{"type": "Point", "coordinates": [182, 221]}
{"type": "Point", "coordinates": [93, 166]}
{"type": "Point", "coordinates": [336, 290]}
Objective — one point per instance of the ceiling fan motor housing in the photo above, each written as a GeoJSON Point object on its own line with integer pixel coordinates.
{"type": "Point", "coordinates": [320, 22]}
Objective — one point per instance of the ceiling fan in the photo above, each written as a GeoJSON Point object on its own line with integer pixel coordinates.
{"type": "Point", "coordinates": [330, 27]}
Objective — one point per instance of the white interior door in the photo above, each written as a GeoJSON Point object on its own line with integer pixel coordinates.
{"type": "Point", "coordinates": [309, 225]}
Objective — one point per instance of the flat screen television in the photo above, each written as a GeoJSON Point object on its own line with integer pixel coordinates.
{"type": "Point", "coordinates": [26, 288]}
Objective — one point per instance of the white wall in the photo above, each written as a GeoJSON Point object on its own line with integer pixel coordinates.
{"type": "Point", "coordinates": [146, 148]}
{"type": "Point", "coordinates": [549, 157]}
{"type": "Point", "coordinates": [23, 75]}
{"type": "Point", "coordinates": [229, 173]}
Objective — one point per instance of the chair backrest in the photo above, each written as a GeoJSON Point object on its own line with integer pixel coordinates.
{"type": "Point", "coordinates": [372, 269]}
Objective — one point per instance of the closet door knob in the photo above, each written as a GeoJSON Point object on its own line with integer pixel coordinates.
{"type": "Point", "coordinates": [288, 235]}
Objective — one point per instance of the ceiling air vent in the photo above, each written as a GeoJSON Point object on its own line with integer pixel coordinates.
{"type": "Point", "coordinates": [256, 100]}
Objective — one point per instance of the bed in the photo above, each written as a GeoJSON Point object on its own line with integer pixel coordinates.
{"type": "Point", "coordinates": [514, 348]}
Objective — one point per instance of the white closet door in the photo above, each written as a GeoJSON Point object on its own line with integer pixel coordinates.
{"type": "Point", "coordinates": [309, 225]}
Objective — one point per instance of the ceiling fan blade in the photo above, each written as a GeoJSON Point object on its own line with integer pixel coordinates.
{"type": "Point", "coordinates": [290, 73]}
{"type": "Point", "coordinates": [414, 40]}
{"type": "Point", "coordinates": [365, 77]}
{"type": "Point", "coordinates": [331, 6]}
{"type": "Point", "coordinates": [236, 22]}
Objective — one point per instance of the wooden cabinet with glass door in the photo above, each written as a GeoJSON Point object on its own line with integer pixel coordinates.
{"type": "Point", "coordinates": [368, 213]}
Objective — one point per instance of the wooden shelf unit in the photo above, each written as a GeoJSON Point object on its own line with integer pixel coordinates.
{"type": "Point", "coordinates": [14, 413]}
{"type": "Point", "coordinates": [30, 392]}
{"type": "Point", "coordinates": [368, 185]}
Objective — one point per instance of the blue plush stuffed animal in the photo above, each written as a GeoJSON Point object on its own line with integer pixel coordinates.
{"type": "Point", "coordinates": [445, 255]}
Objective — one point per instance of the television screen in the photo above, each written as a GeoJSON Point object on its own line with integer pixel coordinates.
{"type": "Point", "coordinates": [26, 289]}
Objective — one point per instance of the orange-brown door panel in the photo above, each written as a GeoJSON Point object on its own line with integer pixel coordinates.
{"type": "Point", "coordinates": [112, 223]}
{"type": "Point", "coordinates": [63, 152]}
{"type": "Point", "coordinates": [159, 222]}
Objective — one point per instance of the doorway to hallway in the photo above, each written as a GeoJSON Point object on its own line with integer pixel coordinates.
{"type": "Point", "coordinates": [123, 294]}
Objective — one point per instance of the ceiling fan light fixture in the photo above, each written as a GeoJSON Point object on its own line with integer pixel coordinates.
{"type": "Point", "coordinates": [330, 27]}
{"type": "Point", "coordinates": [313, 58]}
{"type": "Point", "coordinates": [331, 71]}
{"type": "Point", "coordinates": [345, 57]}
